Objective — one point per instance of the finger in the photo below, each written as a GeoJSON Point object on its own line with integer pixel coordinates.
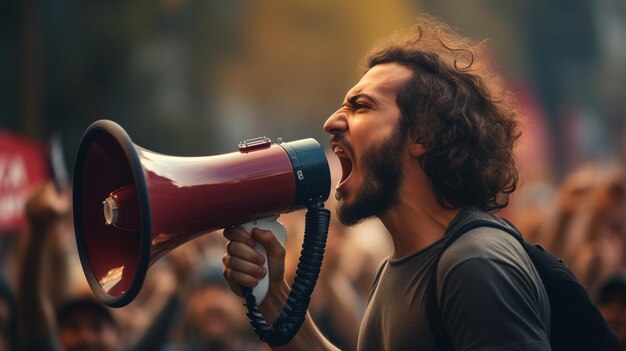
{"type": "Point", "coordinates": [235, 278]}
{"type": "Point", "coordinates": [234, 287]}
{"type": "Point", "coordinates": [239, 234]}
{"type": "Point", "coordinates": [244, 252]}
{"type": "Point", "coordinates": [226, 274]}
{"type": "Point", "coordinates": [239, 265]}
{"type": "Point", "coordinates": [272, 245]}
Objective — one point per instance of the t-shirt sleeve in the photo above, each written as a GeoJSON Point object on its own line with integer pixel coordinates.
{"type": "Point", "coordinates": [493, 304]}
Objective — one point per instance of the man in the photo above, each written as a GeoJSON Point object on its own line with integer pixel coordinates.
{"type": "Point", "coordinates": [425, 140]}
{"type": "Point", "coordinates": [8, 322]}
{"type": "Point", "coordinates": [611, 301]}
{"type": "Point", "coordinates": [80, 324]}
{"type": "Point", "coordinates": [85, 324]}
{"type": "Point", "coordinates": [213, 318]}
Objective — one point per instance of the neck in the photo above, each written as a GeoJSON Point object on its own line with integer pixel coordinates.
{"type": "Point", "coordinates": [417, 220]}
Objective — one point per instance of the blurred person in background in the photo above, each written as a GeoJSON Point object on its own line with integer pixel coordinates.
{"type": "Point", "coordinates": [8, 318]}
{"type": "Point", "coordinates": [575, 191]}
{"type": "Point", "coordinates": [611, 301]}
{"type": "Point", "coordinates": [603, 227]}
{"type": "Point", "coordinates": [336, 304]}
{"type": "Point", "coordinates": [82, 324]}
{"type": "Point", "coordinates": [214, 319]}
{"type": "Point", "coordinates": [588, 226]}
{"type": "Point", "coordinates": [77, 322]}
{"type": "Point", "coordinates": [426, 141]}
{"type": "Point", "coordinates": [149, 321]}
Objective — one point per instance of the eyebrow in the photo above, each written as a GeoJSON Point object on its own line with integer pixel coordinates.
{"type": "Point", "coordinates": [353, 99]}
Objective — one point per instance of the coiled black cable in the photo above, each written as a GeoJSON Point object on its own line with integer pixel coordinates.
{"type": "Point", "coordinates": [293, 314]}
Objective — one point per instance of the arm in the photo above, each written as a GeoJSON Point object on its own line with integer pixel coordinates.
{"type": "Point", "coordinates": [156, 336]}
{"type": "Point", "coordinates": [243, 266]}
{"type": "Point", "coordinates": [45, 211]}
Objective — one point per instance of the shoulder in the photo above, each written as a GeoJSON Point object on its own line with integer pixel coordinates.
{"type": "Point", "coordinates": [488, 264]}
{"type": "Point", "coordinates": [489, 256]}
{"type": "Point", "coordinates": [488, 245]}
{"type": "Point", "coordinates": [490, 294]}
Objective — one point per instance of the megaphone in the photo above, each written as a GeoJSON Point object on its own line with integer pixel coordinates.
{"type": "Point", "coordinates": [132, 205]}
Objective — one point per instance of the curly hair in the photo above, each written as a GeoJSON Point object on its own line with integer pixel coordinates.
{"type": "Point", "coordinates": [459, 111]}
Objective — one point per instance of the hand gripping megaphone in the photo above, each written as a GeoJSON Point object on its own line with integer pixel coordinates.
{"type": "Point", "coordinates": [132, 206]}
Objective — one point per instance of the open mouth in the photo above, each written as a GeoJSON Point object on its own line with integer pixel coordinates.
{"type": "Point", "coordinates": [346, 164]}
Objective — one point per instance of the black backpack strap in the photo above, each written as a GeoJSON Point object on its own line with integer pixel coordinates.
{"type": "Point", "coordinates": [432, 301]}
{"type": "Point", "coordinates": [580, 325]}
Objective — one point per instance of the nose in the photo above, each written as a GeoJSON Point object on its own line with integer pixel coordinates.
{"type": "Point", "coordinates": [336, 123]}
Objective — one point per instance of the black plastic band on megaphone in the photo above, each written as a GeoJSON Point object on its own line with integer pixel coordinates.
{"type": "Point", "coordinates": [311, 172]}
{"type": "Point", "coordinates": [293, 314]}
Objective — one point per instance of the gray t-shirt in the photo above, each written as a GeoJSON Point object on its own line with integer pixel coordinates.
{"type": "Point", "coordinates": [491, 298]}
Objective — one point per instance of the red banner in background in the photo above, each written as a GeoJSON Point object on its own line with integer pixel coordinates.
{"type": "Point", "coordinates": [23, 166]}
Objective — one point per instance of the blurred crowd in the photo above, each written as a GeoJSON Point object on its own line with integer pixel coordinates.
{"type": "Point", "coordinates": [185, 304]}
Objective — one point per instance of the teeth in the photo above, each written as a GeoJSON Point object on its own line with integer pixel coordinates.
{"type": "Point", "coordinates": [337, 150]}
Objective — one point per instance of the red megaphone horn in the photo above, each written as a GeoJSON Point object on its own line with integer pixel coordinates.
{"type": "Point", "coordinates": [132, 205]}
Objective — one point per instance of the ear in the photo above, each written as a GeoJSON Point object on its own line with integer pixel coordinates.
{"type": "Point", "coordinates": [416, 149]}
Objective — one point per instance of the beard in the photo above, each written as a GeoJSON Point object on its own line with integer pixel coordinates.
{"type": "Point", "coordinates": [382, 175]}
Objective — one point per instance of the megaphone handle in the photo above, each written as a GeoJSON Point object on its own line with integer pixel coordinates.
{"type": "Point", "coordinates": [271, 224]}
{"type": "Point", "coordinates": [309, 265]}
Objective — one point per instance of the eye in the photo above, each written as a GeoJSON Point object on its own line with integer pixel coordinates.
{"type": "Point", "coordinates": [359, 106]}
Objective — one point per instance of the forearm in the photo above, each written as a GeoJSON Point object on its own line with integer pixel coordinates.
{"type": "Point", "coordinates": [56, 270]}
{"type": "Point", "coordinates": [35, 311]}
{"type": "Point", "coordinates": [155, 337]}
{"type": "Point", "coordinates": [308, 337]}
